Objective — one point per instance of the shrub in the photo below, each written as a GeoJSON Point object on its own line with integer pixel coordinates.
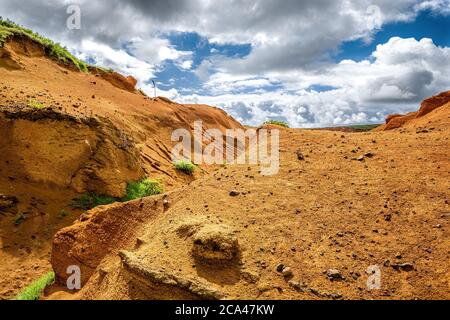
{"type": "Point", "coordinates": [35, 289]}
{"type": "Point", "coordinates": [135, 190]}
{"type": "Point", "coordinates": [185, 166]}
{"type": "Point", "coordinates": [90, 200]}
{"type": "Point", "coordinates": [143, 188]}
{"type": "Point", "coordinates": [278, 123]}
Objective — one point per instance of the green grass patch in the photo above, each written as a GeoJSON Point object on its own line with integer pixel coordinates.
{"type": "Point", "coordinates": [36, 104]}
{"type": "Point", "coordinates": [52, 49]}
{"type": "Point", "coordinates": [135, 190]}
{"type": "Point", "coordinates": [363, 127]}
{"type": "Point", "coordinates": [35, 289]}
{"type": "Point", "coordinates": [185, 166]}
{"type": "Point", "coordinates": [90, 200]}
{"type": "Point", "coordinates": [278, 123]}
{"type": "Point", "coordinates": [4, 35]}
{"type": "Point", "coordinates": [143, 188]}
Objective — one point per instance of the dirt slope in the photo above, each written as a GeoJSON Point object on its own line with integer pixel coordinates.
{"type": "Point", "coordinates": [355, 201]}
{"type": "Point", "coordinates": [65, 132]}
{"type": "Point", "coordinates": [432, 110]}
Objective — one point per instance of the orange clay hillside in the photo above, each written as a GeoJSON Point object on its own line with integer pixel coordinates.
{"type": "Point", "coordinates": [65, 132]}
{"type": "Point", "coordinates": [342, 204]}
{"type": "Point", "coordinates": [432, 110]}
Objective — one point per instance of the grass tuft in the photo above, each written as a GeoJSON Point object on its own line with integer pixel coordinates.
{"type": "Point", "coordinates": [36, 104]}
{"type": "Point", "coordinates": [143, 188]}
{"type": "Point", "coordinates": [135, 190]}
{"type": "Point", "coordinates": [90, 200]}
{"type": "Point", "coordinates": [54, 50]}
{"type": "Point", "coordinates": [277, 123]}
{"type": "Point", "coordinates": [35, 289]}
{"type": "Point", "coordinates": [185, 166]}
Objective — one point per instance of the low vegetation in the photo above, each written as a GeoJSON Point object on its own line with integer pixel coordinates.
{"type": "Point", "coordinates": [52, 49]}
{"type": "Point", "coordinates": [135, 190]}
{"type": "Point", "coordinates": [35, 289]}
{"type": "Point", "coordinates": [35, 104]}
{"type": "Point", "coordinates": [278, 123]}
{"type": "Point", "coordinates": [185, 166]}
{"type": "Point", "coordinates": [62, 214]}
{"type": "Point", "coordinates": [141, 189]}
{"type": "Point", "coordinates": [363, 127]}
{"type": "Point", "coordinates": [91, 200]}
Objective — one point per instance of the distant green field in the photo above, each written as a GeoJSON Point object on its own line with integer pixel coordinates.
{"type": "Point", "coordinates": [363, 127]}
{"type": "Point", "coordinates": [351, 128]}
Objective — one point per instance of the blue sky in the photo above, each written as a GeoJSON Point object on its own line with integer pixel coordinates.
{"type": "Point", "coordinates": [171, 76]}
{"type": "Point", "coordinates": [427, 25]}
{"type": "Point", "coordinates": [310, 63]}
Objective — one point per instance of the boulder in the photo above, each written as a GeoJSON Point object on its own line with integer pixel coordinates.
{"type": "Point", "coordinates": [215, 242]}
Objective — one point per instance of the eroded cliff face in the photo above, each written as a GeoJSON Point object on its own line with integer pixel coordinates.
{"type": "Point", "coordinates": [416, 118]}
{"type": "Point", "coordinates": [65, 132]}
{"type": "Point", "coordinates": [55, 149]}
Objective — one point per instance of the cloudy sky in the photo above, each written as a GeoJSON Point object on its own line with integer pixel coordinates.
{"type": "Point", "coordinates": [309, 62]}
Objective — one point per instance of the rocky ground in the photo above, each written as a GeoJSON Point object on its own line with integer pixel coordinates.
{"type": "Point", "coordinates": [340, 204]}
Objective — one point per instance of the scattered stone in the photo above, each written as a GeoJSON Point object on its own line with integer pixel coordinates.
{"type": "Point", "coordinates": [264, 287]}
{"type": "Point", "coordinates": [7, 202]}
{"type": "Point", "coordinates": [355, 275]}
{"type": "Point", "coordinates": [300, 155]}
{"type": "Point", "coordinates": [325, 294]}
{"type": "Point", "coordinates": [234, 193]}
{"type": "Point", "coordinates": [334, 275]}
{"type": "Point", "coordinates": [300, 287]}
{"type": "Point", "coordinates": [250, 277]}
{"type": "Point", "coordinates": [287, 272]}
{"type": "Point", "coordinates": [403, 266]}
{"type": "Point", "coordinates": [280, 267]}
